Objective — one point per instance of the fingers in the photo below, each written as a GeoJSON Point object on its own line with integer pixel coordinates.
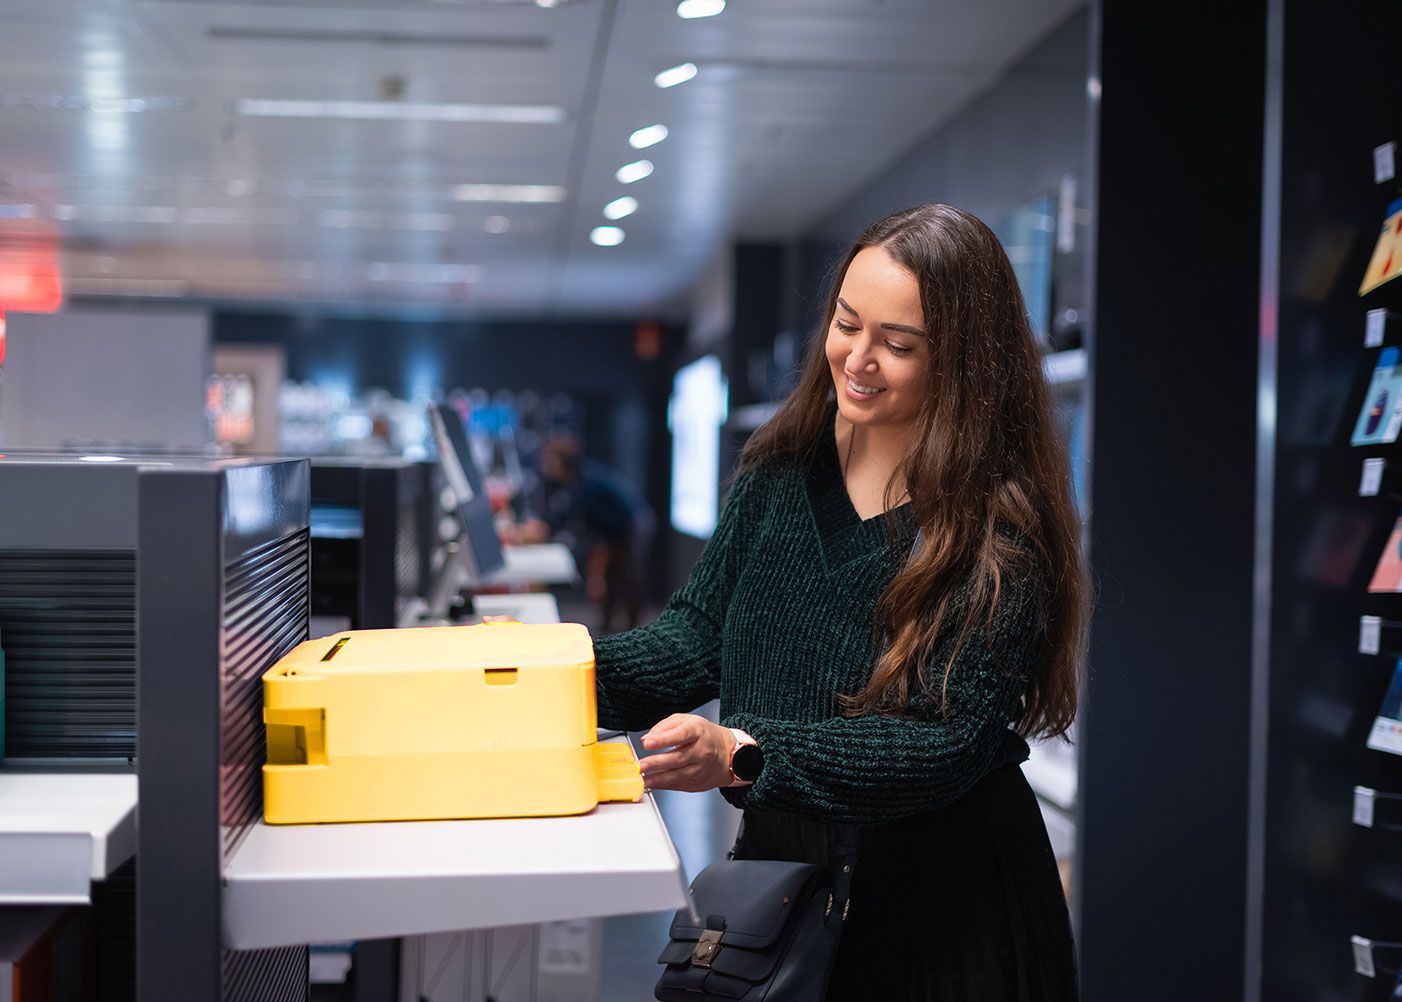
{"type": "Point", "coordinates": [665, 761]}
{"type": "Point", "coordinates": [678, 729]}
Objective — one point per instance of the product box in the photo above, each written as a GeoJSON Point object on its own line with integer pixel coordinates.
{"type": "Point", "coordinates": [1388, 575]}
{"type": "Point", "coordinates": [1386, 735]}
{"type": "Point", "coordinates": [1387, 254]}
{"type": "Point", "coordinates": [1381, 417]}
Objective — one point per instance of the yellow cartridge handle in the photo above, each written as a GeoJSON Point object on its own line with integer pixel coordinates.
{"type": "Point", "coordinates": [620, 779]}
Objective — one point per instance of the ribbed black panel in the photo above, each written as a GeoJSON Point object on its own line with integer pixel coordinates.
{"type": "Point", "coordinates": [68, 630]}
{"type": "Point", "coordinates": [114, 925]}
{"type": "Point", "coordinates": [265, 975]}
{"type": "Point", "coordinates": [407, 561]}
{"type": "Point", "coordinates": [264, 617]}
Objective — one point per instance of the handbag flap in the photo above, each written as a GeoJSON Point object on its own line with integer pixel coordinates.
{"type": "Point", "coordinates": [755, 896]}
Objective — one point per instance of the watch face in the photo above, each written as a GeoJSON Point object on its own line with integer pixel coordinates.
{"type": "Point", "coordinates": [747, 762]}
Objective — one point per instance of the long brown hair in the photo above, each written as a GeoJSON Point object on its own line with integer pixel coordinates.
{"type": "Point", "coordinates": [984, 453]}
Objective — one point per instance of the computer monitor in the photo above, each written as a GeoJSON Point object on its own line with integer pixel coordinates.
{"type": "Point", "coordinates": [478, 550]}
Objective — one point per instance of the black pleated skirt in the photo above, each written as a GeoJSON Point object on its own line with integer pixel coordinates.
{"type": "Point", "coordinates": [963, 904]}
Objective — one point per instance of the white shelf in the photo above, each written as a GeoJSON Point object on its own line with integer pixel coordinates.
{"type": "Point", "coordinates": [544, 563]}
{"type": "Point", "coordinates": [293, 884]}
{"type": "Point", "coordinates": [529, 607]}
{"type": "Point", "coordinates": [61, 831]}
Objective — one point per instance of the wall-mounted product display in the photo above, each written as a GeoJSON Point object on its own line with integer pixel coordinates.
{"type": "Point", "coordinates": [1386, 262]}
{"type": "Point", "coordinates": [1329, 678]}
{"type": "Point", "coordinates": [228, 403]}
{"type": "Point", "coordinates": [1388, 575]}
{"type": "Point", "coordinates": [1381, 417]}
{"type": "Point", "coordinates": [1386, 735]}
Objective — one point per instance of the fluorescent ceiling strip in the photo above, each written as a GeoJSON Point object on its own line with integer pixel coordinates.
{"type": "Point", "coordinates": [348, 218]}
{"type": "Point", "coordinates": [402, 111]}
{"type": "Point", "coordinates": [508, 193]}
{"type": "Point", "coordinates": [381, 271]}
{"type": "Point", "coordinates": [169, 214]}
{"type": "Point", "coordinates": [102, 105]}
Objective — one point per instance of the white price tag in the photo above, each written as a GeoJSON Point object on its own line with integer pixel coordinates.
{"type": "Point", "coordinates": [1370, 635]}
{"type": "Point", "coordinates": [1363, 801]}
{"type": "Point", "coordinates": [1363, 957]}
{"type": "Point", "coordinates": [566, 947]}
{"type": "Point", "coordinates": [1374, 328]}
{"type": "Point", "coordinates": [1384, 158]}
{"type": "Point", "coordinates": [1372, 478]}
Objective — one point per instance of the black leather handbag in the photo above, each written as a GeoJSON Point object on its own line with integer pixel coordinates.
{"type": "Point", "coordinates": [769, 930]}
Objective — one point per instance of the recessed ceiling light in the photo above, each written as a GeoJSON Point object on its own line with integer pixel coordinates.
{"type": "Point", "coordinates": [99, 459]}
{"type": "Point", "coordinates": [635, 171]}
{"type": "Point", "coordinates": [403, 111]}
{"type": "Point", "coordinates": [496, 224]}
{"type": "Point", "coordinates": [649, 135]}
{"type": "Point", "coordinates": [699, 8]}
{"type": "Point", "coordinates": [606, 236]}
{"type": "Point", "coordinates": [508, 193]}
{"type": "Point", "coordinates": [676, 75]}
{"type": "Point", "coordinates": [620, 207]}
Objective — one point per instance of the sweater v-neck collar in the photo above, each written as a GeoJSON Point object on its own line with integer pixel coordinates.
{"type": "Point", "coordinates": [844, 535]}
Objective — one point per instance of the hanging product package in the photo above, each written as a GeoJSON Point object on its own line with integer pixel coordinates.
{"type": "Point", "coordinates": [489, 721]}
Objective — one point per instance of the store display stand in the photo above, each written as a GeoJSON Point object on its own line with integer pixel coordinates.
{"type": "Point", "coordinates": [59, 832]}
{"type": "Point", "coordinates": [295, 884]}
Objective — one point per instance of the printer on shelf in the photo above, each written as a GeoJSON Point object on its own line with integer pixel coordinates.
{"type": "Point", "coordinates": [488, 721]}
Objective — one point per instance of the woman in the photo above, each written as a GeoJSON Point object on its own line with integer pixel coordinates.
{"type": "Point", "coordinates": [893, 600]}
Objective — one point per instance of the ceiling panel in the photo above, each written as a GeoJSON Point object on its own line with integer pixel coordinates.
{"type": "Point", "coordinates": [124, 137]}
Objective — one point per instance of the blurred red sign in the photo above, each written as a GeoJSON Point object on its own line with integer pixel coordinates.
{"type": "Point", "coordinates": [30, 282]}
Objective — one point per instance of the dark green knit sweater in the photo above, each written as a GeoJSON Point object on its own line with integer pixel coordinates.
{"type": "Point", "coordinates": [776, 620]}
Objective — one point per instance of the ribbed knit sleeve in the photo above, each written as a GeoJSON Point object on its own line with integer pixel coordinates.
{"type": "Point", "coordinates": [673, 664]}
{"type": "Point", "coordinates": [870, 769]}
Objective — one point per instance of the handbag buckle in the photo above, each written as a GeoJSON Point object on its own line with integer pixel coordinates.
{"type": "Point", "coordinates": [707, 946]}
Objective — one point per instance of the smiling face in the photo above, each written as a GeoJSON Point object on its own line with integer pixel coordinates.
{"type": "Point", "coordinates": [876, 344]}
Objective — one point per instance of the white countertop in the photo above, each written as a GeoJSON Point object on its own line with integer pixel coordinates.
{"type": "Point", "coordinates": [291, 884]}
{"type": "Point", "coordinates": [61, 831]}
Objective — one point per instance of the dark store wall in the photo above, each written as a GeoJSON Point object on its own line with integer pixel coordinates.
{"type": "Point", "coordinates": [1013, 143]}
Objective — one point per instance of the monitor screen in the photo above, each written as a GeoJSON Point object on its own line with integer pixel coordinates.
{"type": "Point", "coordinates": [696, 412]}
{"type": "Point", "coordinates": [464, 479]}
{"type": "Point", "coordinates": [1028, 233]}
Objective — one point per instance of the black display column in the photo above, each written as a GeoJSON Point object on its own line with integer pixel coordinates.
{"type": "Point", "coordinates": [1318, 878]}
{"type": "Point", "coordinates": [1177, 96]}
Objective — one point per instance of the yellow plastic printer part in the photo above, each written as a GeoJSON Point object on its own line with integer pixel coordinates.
{"type": "Point", "coordinates": [490, 721]}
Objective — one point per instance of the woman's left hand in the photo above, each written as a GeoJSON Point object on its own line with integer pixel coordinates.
{"type": "Point", "coordinates": [699, 759]}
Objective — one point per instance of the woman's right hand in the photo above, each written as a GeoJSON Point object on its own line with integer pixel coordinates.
{"type": "Point", "coordinates": [699, 758]}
